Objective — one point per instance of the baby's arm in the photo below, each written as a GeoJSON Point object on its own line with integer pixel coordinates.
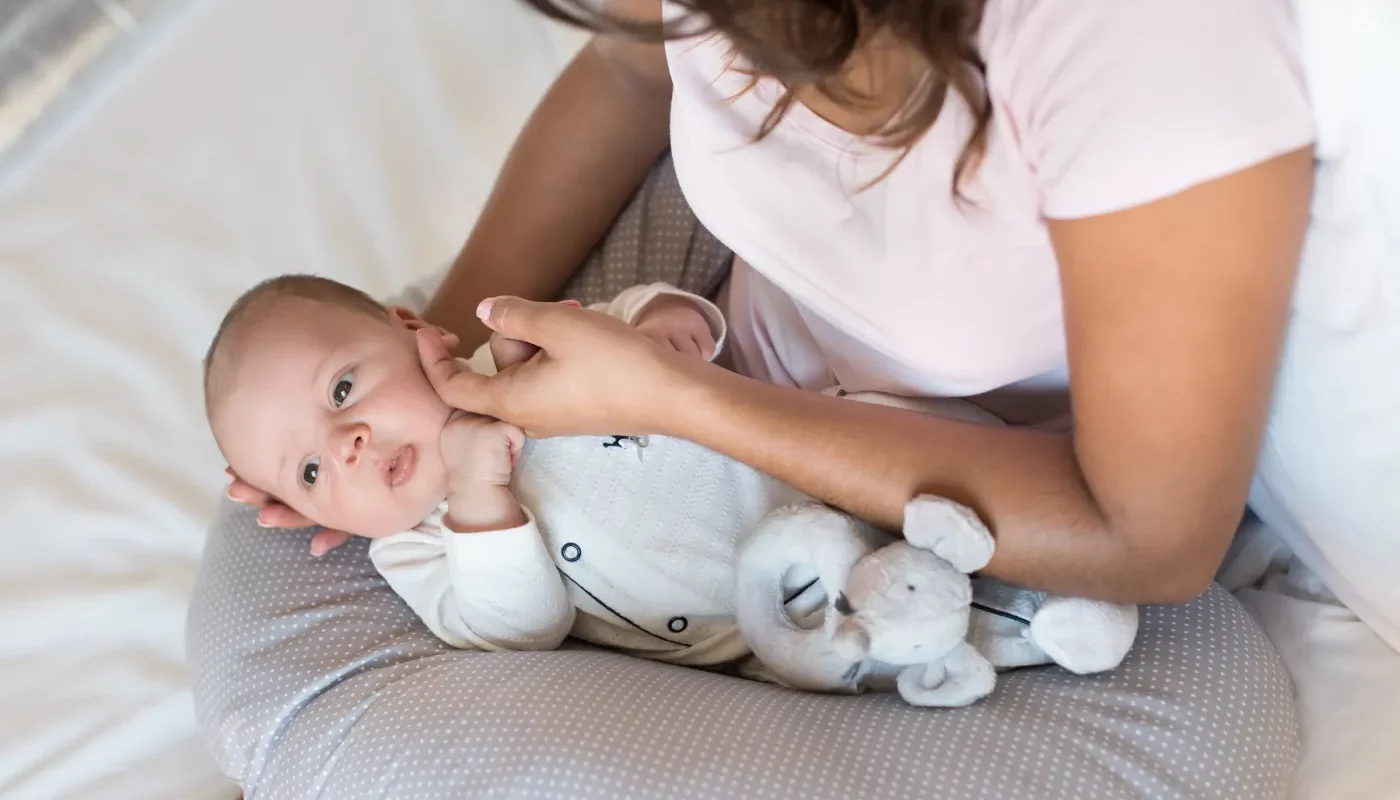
{"type": "Point", "coordinates": [478, 573]}
{"type": "Point", "coordinates": [671, 316]}
{"type": "Point", "coordinates": [492, 590]}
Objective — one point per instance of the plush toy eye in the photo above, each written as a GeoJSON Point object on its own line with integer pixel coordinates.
{"type": "Point", "coordinates": [843, 606]}
{"type": "Point", "coordinates": [910, 586]}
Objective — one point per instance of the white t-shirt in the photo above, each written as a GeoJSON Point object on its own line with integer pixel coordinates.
{"type": "Point", "coordinates": [1099, 105]}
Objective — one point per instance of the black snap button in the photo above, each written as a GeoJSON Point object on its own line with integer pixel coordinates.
{"type": "Point", "coordinates": [571, 552]}
{"type": "Point", "coordinates": [677, 624]}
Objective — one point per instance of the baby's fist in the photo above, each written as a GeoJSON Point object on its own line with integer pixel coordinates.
{"type": "Point", "coordinates": [479, 451]}
{"type": "Point", "coordinates": [676, 324]}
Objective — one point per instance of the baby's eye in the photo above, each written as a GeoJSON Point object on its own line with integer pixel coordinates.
{"type": "Point", "coordinates": [342, 390]}
{"type": "Point", "coordinates": [310, 471]}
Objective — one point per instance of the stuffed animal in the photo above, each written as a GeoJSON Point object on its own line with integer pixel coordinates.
{"type": "Point", "coordinates": [903, 614]}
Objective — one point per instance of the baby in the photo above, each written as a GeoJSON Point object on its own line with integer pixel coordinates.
{"type": "Point", "coordinates": [315, 394]}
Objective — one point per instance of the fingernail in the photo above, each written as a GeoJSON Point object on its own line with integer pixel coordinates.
{"type": "Point", "coordinates": [483, 311]}
{"type": "Point", "coordinates": [262, 524]}
{"type": "Point", "coordinates": [229, 494]}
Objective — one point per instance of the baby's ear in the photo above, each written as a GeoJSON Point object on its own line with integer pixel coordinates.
{"type": "Point", "coordinates": [407, 319]}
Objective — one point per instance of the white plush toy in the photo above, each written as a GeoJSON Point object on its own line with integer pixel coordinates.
{"type": "Point", "coordinates": [904, 612]}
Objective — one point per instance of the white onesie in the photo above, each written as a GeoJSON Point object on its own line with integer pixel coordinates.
{"type": "Point", "coordinates": [630, 543]}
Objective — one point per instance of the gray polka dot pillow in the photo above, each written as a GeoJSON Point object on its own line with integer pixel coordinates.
{"type": "Point", "coordinates": [312, 679]}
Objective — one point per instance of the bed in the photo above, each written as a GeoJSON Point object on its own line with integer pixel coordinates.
{"type": "Point", "coordinates": [131, 214]}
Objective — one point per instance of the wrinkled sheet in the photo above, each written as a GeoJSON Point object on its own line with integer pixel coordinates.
{"type": "Point", "coordinates": [241, 139]}
{"type": "Point", "coordinates": [51, 49]}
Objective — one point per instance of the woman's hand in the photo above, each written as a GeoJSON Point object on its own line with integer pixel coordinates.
{"type": "Point", "coordinates": [592, 374]}
{"type": "Point", "coordinates": [272, 514]}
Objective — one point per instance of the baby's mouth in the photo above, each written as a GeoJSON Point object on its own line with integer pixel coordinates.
{"type": "Point", "coordinates": [401, 464]}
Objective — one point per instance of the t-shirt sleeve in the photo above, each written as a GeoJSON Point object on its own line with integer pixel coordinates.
{"type": "Point", "coordinates": [1117, 103]}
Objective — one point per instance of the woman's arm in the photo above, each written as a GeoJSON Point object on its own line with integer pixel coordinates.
{"type": "Point", "coordinates": [578, 160]}
{"type": "Point", "coordinates": [1175, 314]}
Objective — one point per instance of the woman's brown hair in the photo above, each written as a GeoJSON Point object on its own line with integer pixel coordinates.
{"type": "Point", "coordinates": [809, 43]}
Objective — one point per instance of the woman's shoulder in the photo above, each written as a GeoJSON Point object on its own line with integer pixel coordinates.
{"type": "Point", "coordinates": [1044, 28]}
{"type": "Point", "coordinates": [1118, 103]}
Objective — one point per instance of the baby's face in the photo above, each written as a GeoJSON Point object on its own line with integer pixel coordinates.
{"type": "Point", "coordinates": [331, 413]}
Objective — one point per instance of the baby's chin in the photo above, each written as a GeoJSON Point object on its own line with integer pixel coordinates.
{"type": "Point", "coordinates": [387, 521]}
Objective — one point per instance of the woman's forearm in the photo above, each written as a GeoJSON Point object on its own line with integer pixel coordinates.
{"type": "Point", "coordinates": [581, 156]}
{"type": "Point", "coordinates": [870, 460]}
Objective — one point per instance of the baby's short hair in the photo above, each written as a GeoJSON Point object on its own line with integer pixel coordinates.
{"type": "Point", "coordinates": [261, 297]}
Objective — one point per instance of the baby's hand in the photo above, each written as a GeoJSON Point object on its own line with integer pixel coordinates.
{"type": "Point", "coordinates": [676, 324]}
{"type": "Point", "coordinates": [479, 451]}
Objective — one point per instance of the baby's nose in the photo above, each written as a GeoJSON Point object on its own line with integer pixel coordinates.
{"type": "Point", "coordinates": [353, 443]}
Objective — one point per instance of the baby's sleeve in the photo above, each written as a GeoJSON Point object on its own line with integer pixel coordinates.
{"type": "Point", "coordinates": [494, 590]}
{"type": "Point", "coordinates": [629, 305]}
{"type": "Point", "coordinates": [1116, 104]}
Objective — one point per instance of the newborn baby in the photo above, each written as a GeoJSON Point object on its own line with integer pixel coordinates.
{"type": "Point", "coordinates": [315, 394]}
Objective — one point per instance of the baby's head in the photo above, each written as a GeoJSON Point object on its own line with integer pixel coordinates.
{"type": "Point", "coordinates": [315, 395]}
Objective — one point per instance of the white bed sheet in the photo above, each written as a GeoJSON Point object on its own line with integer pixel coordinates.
{"type": "Point", "coordinates": [244, 138]}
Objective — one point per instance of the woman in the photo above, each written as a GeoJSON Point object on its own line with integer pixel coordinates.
{"type": "Point", "coordinates": [1115, 210]}
{"type": "Point", "coordinates": [1114, 213]}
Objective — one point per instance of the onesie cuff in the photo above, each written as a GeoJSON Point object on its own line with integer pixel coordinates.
{"type": "Point", "coordinates": [506, 549]}
{"type": "Point", "coordinates": [646, 295]}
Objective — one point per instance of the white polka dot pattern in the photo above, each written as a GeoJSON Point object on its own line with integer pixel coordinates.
{"type": "Point", "coordinates": [656, 238]}
{"type": "Point", "coordinates": [311, 678]}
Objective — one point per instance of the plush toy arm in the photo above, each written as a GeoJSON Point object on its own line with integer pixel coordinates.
{"type": "Point", "coordinates": [960, 678]}
{"type": "Point", "coordinates": [949, 530]}
{"type": "Point", "coordinates": [1084, 636]}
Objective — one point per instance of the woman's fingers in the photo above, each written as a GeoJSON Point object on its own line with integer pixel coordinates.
{"type": "Point", "coordinates": [327, 540]}
{"type": "Point", "coordinates": [525, 320]}
{"type": "Point", "coordinates": [240, 492]}
{"type": "Point", "coordinates": [276, 515]}
{"type": "Point", "coordinates": [271, 514]}
{"type": "Point", "coordinates": [458, 387]}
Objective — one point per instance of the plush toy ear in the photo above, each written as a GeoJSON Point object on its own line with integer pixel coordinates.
{"type": "Point", "coordinates": [949, 530]}
{"type": "Point", "coordinates": [851, 640]}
